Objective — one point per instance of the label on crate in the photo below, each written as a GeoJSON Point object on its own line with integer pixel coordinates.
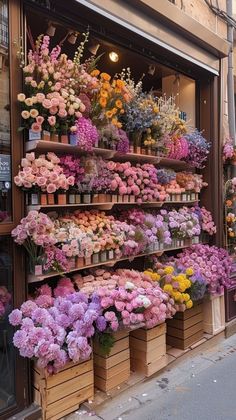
{"type": "Point", "coordinates": [34, 136]}
{"type": "Point", "coordinates": [34, 199]}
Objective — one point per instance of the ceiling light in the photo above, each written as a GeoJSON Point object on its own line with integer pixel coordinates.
{"type": "Point", "coordinates": [51, 29]}
{"type": "Point", "coordinates": [151, 69]}
{"type": "Point", "coordinates": [113, 56]}
{"type": "Point", "coordinates": [93, 47]}
{"type": "Point", "coordinates": [72, 38]}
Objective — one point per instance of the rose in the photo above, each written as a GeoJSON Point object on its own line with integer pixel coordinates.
{"type": "Point", "coordinates": [21, 97]}
{"type": "Point", "coordinates": [36, 127]}
{"type": "Point", "coordinates": [25, 115]}
{"type": "Point", "coordinates": [52, 120]}
{"type": "Point", "coordinates": [34, 113]}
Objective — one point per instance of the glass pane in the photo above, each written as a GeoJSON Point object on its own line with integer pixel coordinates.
{"type": "Point", "coordinates": [5, 145]}
{"type": "Point", "coordinates": [7, 360]}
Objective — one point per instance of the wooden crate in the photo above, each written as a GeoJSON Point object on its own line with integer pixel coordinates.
{"type": "Point", "coordinates": [186, 328]}
{"type": "Point", "coordinates": [148, 350]}
{"type": "Point", "coordinates": [214, 314]}
{"type": "Point", "coordinates": [62, 393]}
{"type": "Point", "coordinates": [112, 370]}
{"type": "Point", "coordinates": [230, 302]}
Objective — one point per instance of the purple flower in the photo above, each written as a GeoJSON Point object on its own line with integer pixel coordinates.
{"type": "Point", "coordinates": [15, 318]}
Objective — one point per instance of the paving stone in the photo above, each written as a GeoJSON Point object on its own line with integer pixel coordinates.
{"type": "Point", "coordinates": [175, 352]}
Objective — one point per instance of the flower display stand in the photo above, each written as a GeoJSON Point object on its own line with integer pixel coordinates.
{"type": "Point", "coordinates": [62, 393]}
{"type": "Point", "coordinates": [214, 314]}
{"type": "Point", "coordinates": [112, 370]}
{"type": "Point", "coordinates": [186, 328]}
{"type": "Point", "coordinates": [148, 350]}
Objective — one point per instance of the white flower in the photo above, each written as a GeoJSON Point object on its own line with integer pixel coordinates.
{"type": "Point", "coordinates": [144, 301]}
{"type": "Point", "coordinates": [129, 285]}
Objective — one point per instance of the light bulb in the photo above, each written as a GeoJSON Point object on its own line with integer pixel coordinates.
{"type": "Point", "coordinates": [113, 56]}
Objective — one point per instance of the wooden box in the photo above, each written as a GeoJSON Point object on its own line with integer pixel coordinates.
{"type": "Point", "coordinates": [62, 393]}
{"type": "Point", "coordinates": [148, 350]}
{"type": "Point", "coordinates": [230, 302]}
{"type": "Point", "coordinates": [112, 370]}
{"type": "Point", "coordinates": [186, 328]}
{"type": "Point", "coordinates": [214, 314]}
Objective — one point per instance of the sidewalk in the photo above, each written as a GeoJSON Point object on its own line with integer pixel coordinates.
{"type": "Point", "coordinates": [188, 384]}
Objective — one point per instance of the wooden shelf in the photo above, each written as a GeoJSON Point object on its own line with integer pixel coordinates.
{"type": "Point", "coordinates": [109, 206]}
{"type": "Point", "coordinates": [45, 146]}
{"type": "Point", "coordinates": [34, 279]}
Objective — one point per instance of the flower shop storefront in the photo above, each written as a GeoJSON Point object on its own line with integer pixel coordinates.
{"type": "Point", "coordinates": [109, 202]}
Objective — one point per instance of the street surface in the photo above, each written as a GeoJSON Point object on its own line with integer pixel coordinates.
{"type": "Point", "coordinates": [199, 388]}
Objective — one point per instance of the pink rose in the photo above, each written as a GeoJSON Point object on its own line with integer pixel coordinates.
{"type": "Point", "coordinates": [52, 120]}
{"type": "Point", "coordinates": [53, 110]}
{"type": "Point", "coordinates": [39, 119]}
{"type": "Point", "coordinates": [51, 188]}
{"type": "Point", "coordinates": [36, 128]}
{"type": "Point", "coordinates": [47, 103]}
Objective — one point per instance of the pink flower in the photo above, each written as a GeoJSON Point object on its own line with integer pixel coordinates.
{"type": "Point", "coordinates": [52, 120]}
{"type": "Point", "coordinates": [36, 127]}
{"type": "Point", "coordinates": [51, 188]}
{"type": "Point", "coordinates": [47, 103]}
{"type": "Point", "coordinates": [39, 119]}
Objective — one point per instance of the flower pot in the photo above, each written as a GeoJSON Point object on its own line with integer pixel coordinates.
{"type": "Point", "coordinates": [102, 198]}
{"type": "Point", "coordinates": [193, 196]}
{"type": "Point", "coordinates": [64, 139]}
{"type": "Point", "coordinates": [138, 150]}
{"type": "Point", "coordinates": [103, 256]}
{"type": "Point", "coordinates": [72, 263]}
{"type": "Point", "coordinates": [143, 151]}
{"type": "Point", "coordinates": [120, 198]}
{"type": "Point", "coordinates": [61, 199]}
{"type": "Point", "coordinates": [46, 135]}
{"type": "Point", "coordinates": [108, 198]}
{"type": "Point", "coordinates": [88, 260]}
{"type": "Point", "coordinates": [95, 258]}
{"type": "Point", "coordinates": [214, 314]}
{"type": "Point", "coordinates": [148, 349]}
{"type": "Point", "coordinates": [71, 198]}
{"type": "Point", "coordinates": [132, 198]}
{"type": "Point", "coordinates": [43, 199]}
{"type": "Point", "coordinates": [95, 198]}
{"type": "Point", "coordinates": [178, 197]}
{"type": "Point", "coordinates": [35, 135]}
{"type": "Point", "coordinates": [61, 394]}
{"type": "Point", "coordinates": [114, 198]}
{"type": "Point", "coordinates": [161, 246]}
{"type": "Point", "coordinates": [73, 139]}
{"type": "Point", "coordinates": [51, 199]}
{"type": "Point", "coordinates": [125, 198]}
{"type": "Point", "coordinates": [87, 198]}
{"type": "Point", "coordinates": [184, 197]}
{"type": "Point", "coordinates": [38, 270]}
{"type": "Point", "coordinates": [79, 262]}
{"type": "Point", "coordinates": [33, 199]}
{"type": "Point", "coordinates": [54, 137]}
{"type": "Point", "coordinates": [110, 254]}
{"type": "Point", "coordinates": [156, 246]}
{"type": "Point", "coordinates": [149, 151]}
{"type": "Point", "coordinates": [195, 240]}
{"type": "Point", "coordinates": [131, 148]}
{"type": "Point", "coordinates": [77, 198]}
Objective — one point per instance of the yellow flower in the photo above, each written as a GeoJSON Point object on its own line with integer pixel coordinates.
{"type": "Point", "coordinates": [147, 272]}
{"type": "Point", "coordinates": [122, 111]}
{"type": "Point", "coordinates": [155, 276]}
{"type": "Point", "coordinates": [117, 90]}
{"type": "Point", "coordinates": [95, 73]}
{"type": "Point", "coordinates": [103, 102]}
{"type": "Point", "coordinates": [25, 115]}
{"type": "Point", "coordinates": [21, 97]}
{"type": "Point", "coordinates": [155, 109]}
{"type": "Point", "coordinates": [187, 283]}
{"type": "Point", "coordinates": [28, 102]}
{"type": "Point", "coordinates": [182, 286]}
{"type": "Point", "coordinates": [105, 76]}
{"type": "Point", "coordinates": [177, 295]}
{"type": "Point", "coordinates": [109, 114]}
{"type": "Point", "coordinates": [114, 110]}
{"type": "Point", "coordinates": [103, 93]}
{"type": "Point", "coordinates": [34, 113]}
{"type": "Point", "coordinates": [186, 297]}
{"type": "Point", "coordinates": [189, 271]}
{"type": "Point", "coordinates": [168, 288]}
{"type": "Point", "coordinates": [168, 269]}
{"type": "Point", "coordinates": [106, 85]}
{"type": "Point", "coordinates": [120, 83]}
{"type": "Point", "coordinates": [189, 304]}
{"type": "Point", "coordinates": [119, 103]}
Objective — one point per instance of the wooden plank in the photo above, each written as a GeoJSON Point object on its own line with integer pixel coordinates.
{"type": "Point", "coordinates": [188, 313]}
{"type": "Point", "coordinates": [69, 374]}
{"type": "Point", "coordinates": [63, 413]}
{"type": "Point", "coordinates": [119, 346]}
{"type": "Point", "coordinates": [148, 357]}
{"type": "Point", "coordinates": [108, 373]}
{"type": "Point", "coordinates": [118, 335]}
{"type": "Point", "coordinates": [184, 324]}
{"type": "Point", "coordinates": [37, 396]}
{"type": "Point", "coordinates": [149, 369]}
{"type": "Point", "coordinates": [146, 335]}
{"type": "Point", "coordinates": [184, 344]}
{"type": "Point", "coordinates": [183, 334]}
{"type": "Point", "coordinates": [44, 373]}
{"type": "Point", "coordinates": [108, 384]}
{"type": "Point", "coordinates": [111, 361]}
{"type": "Point", "coordinates": [70, 401]}
{"type": "Point", "coordinates": [146, 345]}
{"type": "Point", "coordinates": [67, 388]}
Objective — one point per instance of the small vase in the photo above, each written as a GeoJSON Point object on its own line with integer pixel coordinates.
{"type": "Point", "coordinates": [138, 150]}
{"type": "Point", "coordinates": [46, 135]}
{"type": "Point", "coordinates": [131, 148]}
{"type": "Point", "coordinates": [95, 198]}
{"type": "Point", "coordinates": [64, 139]}
{"type": "Point", "coordinates": [87, 198]}
{"type": "Point", "coordinates": [79, 262]}
{"type": "Point", "coordinates": [71, 198]}
{"type": "Point", "coordinates": [54, 137]}
{"type": "Point", "coordinates": [193, 196]}
{"type": "Point", "coordinates": [72, 263]}
{"type": "Point", "coordinates": [88, 260]}
{"type": "Point", "coordinates": [108, 198]}
{"type": "Point", "coordinates": [132, 198]}
{"type": "Point", "coordinates": [178, 197]}
{"type": "Point", "coordinates": [156, 246]}
{"type": "Point", "coordinates": [102, 198]}
{"type": "Point", "coordinates": [111, 254]}
{"type": "Point", "coordinates": [149, 151]}
{"type": "Point", "coordinates": [125, 198]}
{"type": "Point", "coordinates": [51, 199]}
{"type": "Point", "coordinates": [73, 139]}
{"type": "Point", "coordinates": [114, 198]}
{"type": "Point", "coordinates": [120, 199]}
{"type": "Point", "coordinates": [95, 258]}
{"type": "Point", "coordinates": [33, 199]}
{"type": "Point", "coordinates": [43, 199]}
{"type": "Point", "coordinates": [77, 198]}
{"type": "Point", "coordinates": [184, 197]}
{"type": "Point", "coordinates": [61, 199]}
{"type": "Point", "coordinates": [103, 256]}
{"type": "Point", "coordinates": [143, 151]}
{"type": "Point", "coordinates": [38, 270]}
{"type": "Point", "coordinates": [161, 245]}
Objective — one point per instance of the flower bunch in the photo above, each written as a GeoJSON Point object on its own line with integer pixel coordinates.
{"type": "Point", "coordinates": [190, 181]}
{"type": "Point", "coordinates": [86, 134]}
{"type": "Point", "coordinates": [199, 149]}
{"type": "Point", "coordinates": [114, 138]}
{"type": "Point", "coordinates": [228, 150]}
{"type": "Point", "coordinates": [177, 146]}
{"type": "Point", "coordinates": [140, 113]}
{"type": "Point", "coordinates": [183, 223]}
{"type": "Point", "coordinates": [206, 221]}
{"type": "Point", "coordinates": [56, 334]}
{"type": "Point", "coordinates": [72, 166]}
{"type": "Point", "coordinates": [214, 264]}
{"type": "Point", "coordinates": [165, 176]}
{"type": "Point", "coordinates": [5, 299]}
{"type": "Point", "coordinates": [43, 172]}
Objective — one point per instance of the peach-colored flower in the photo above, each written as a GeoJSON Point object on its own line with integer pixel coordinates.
{"type": "Point", "coordinates": [28, 102]}
{"type": "Point", "coordinates": [62, 113]}
{"type": "Point", "coordinates": [47, 103]}
{"type": "Point", "coordinates": [82, 107]}
{"type": "Point", "coordinates": [40, 97]}
{"type": "Point", "coordinates": [33, 83]}
{"type": "Point", "coordinates": [30, 156]}
{"type": "Point", "coordinates": [25, 115]}
{"type": "Point", "coordinates": [28, 79]}
{"type": "Point", "coordinates": [34, 113]}
{"type": "Point", "coordinates": [53, 110]}
{"type": "Point", "coordinates": [21, 97]}
{"type": "Point", "coordinates": [55, 101]}
{"type": "Point", "coordinates": [73, 129]}
{"type": "Point", "coordinates": [78, 114]}
{"type": "Point", "coordinates": [41, 181]}
{"type": "Point", "coordinates": [36, 127]}
{"type": "Point", "coordinates": [52, 120]}
{"type": "Point", "coordinates": [71, 111]}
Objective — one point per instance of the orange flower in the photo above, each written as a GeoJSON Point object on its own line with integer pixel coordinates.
{"type": "Point", "coordinates": [103, 93]}
{"type": "Point", "coordinates": [114, 110]}
{"type": "Point", "coordinates": [106, 85]}
{"type": "Point", "coordinates": [103, 102]}
{"type": "Point", "coordinates": [109, 114]}
{"type": "Point", "coordinates": [95, 73]}
{"type": "Point", "coordinates": [231, 234]}
{"type": "Point", "coordinates": [122, 111]}
{"type": "Point", "coordinates": [126, 97]}
{"type": "Point", "coordinates": [228, 203]}
{"type": "Point", "coordinates": [120, 83]}
{"type": "Point", "coordinates": [105, 76]}
{"type": "Point", "coordinates": [119, 103]}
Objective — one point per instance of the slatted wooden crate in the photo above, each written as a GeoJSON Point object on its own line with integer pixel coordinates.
{"type": "Point", "coordinates": [114, 369]}
{"type": "Point", "coordinates": [186, 328]}
{"type": "Point", "coordinates": [214, 314]}
{"type": "Point", "coordinates": [62, 393]}
{"type": "Point", "coordinates": [148, 350]}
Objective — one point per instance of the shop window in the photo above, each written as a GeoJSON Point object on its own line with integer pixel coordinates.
{"type": "Point", "coordinates": [5, 138]}
{"type": "Point", "coordinates": [7, 365]}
